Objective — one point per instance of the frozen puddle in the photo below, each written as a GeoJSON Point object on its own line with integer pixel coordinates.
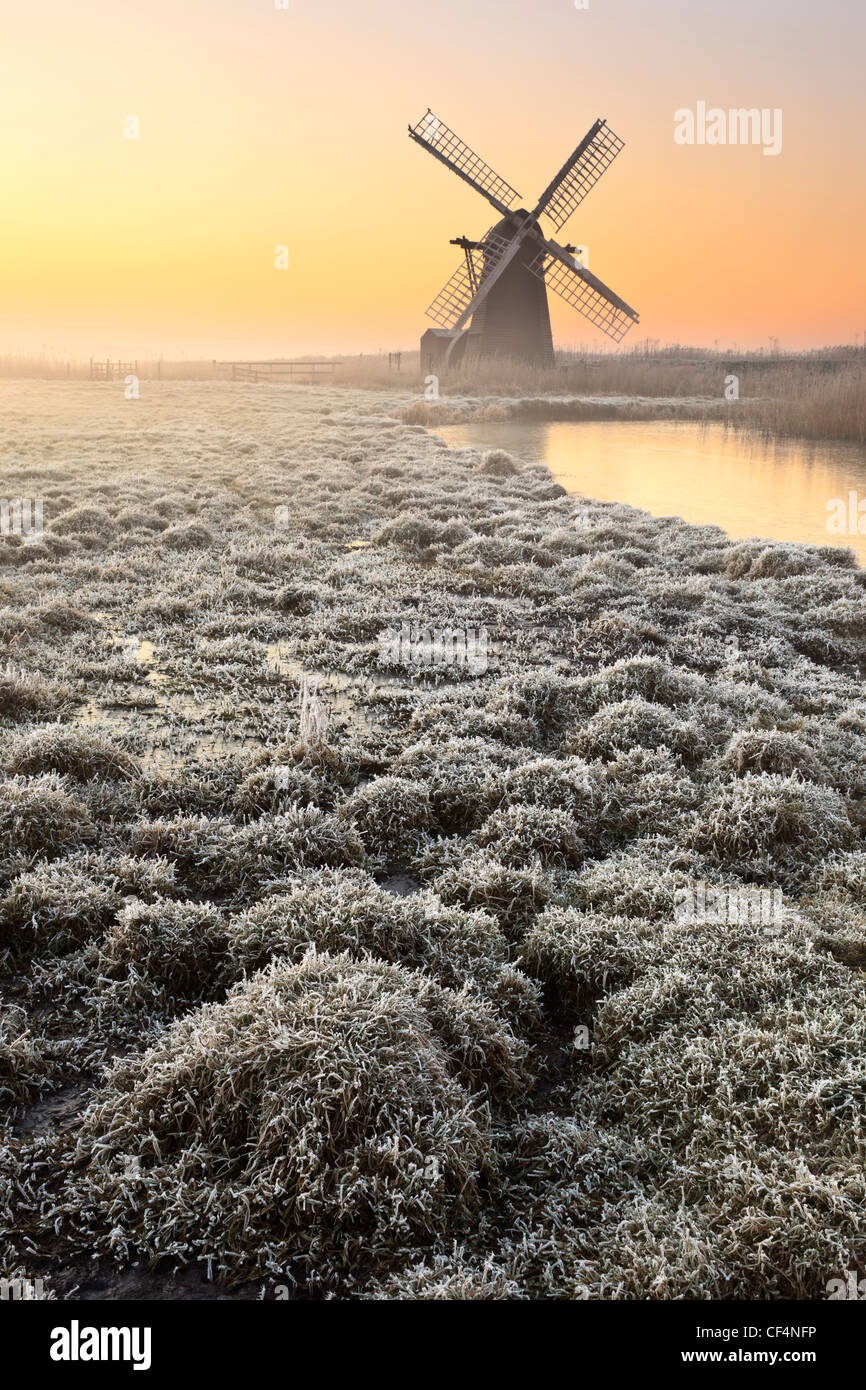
{"type": "Point", "coordinates": [173, 726]}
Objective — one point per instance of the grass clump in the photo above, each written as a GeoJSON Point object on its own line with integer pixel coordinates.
{"type": "Point", "coordinates": [27, 695]}
{"type": "Point", "coordinates": [180, 945]}
{"type": "Point", "coordinates": [773, 828]}
{"type": "Point", "coordinates": [23, 1067]}
{"type": "Point", "coordinates": [647, 678]}
{"type": "Point", "coordinates": [517, 835]}
{"type": "Point", "coordinates": [454, 1277]}
{"type": "Point", "coordinates": [62, 618]}
{"type": "Point", "coordinates": [513, 895]}
{"type": "Point", "coordinates": [345, 911]}
{"type": "Point", "coordinates": [81, 754]}
{"type": "Point", "coordinates": [570, 786]}
{"type": "Point", "coordinates": [543, 705]}
{"type": "Point", "coordinates": [186, 536]}
{"type": "Point", "coordinates": [38, 820]}
{"type": "Point", "coordinates": [60, 905]}
{"type": "Point", "coordinates": [153, 960]}
{"type": "Point", "coordinates": [393, 816]}
{"type": "Point", "coordinates": [268, 790]}
{"type": "Point", "coordinates": [648, 792]}
{"type": "Point", "coordinates": [496, 463]}
{"type": "Point", "coordinates": [772, 750]}
{"type": "Point", "coordinates": [318, 1122]}
{"type": "Point", "coordinates": [580, 956]}
{"type": "Point", "coordinates": [835, 902]}
{"type": "Point", "coordinates": [56, 907]}
{"type": "Point", "coordinates": [221, 856]}
{"type": "Point", "coordinates": [712, 1145]}
{"type": "Point", "coordinates": [457, 773]}
{"type": "Point", "coordinates": [641, 880]}
{"type": "Point", "coordinates": [83, 521]}
{"type": "Point", "coordinates": [845, 877]}
{"type": "Point", "coordinates": [637, 723]}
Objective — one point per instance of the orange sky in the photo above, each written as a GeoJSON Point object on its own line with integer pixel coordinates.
{"type": "Point", "coordinates": [261, 126]}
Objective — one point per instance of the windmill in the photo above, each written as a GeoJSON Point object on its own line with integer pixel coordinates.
{"type": "Point", "coordinates": [501, 284]}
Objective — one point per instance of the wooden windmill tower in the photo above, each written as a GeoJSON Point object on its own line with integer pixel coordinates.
{"type": "Point", "coordinates": [502, 283]}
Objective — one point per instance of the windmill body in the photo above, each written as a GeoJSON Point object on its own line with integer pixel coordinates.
{"type": "Point", "coordinates": [500, 289]}
{"type": "Point", "coordinates": [514, 319]}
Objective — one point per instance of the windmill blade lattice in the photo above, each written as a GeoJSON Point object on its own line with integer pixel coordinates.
{"type": "Point", "coordinates": [586, 293]}
{"type": "Point", "coordinates": [581, 171]}
{"type": "Point", "coordinates": [458, 292]}
{"type": "Point", "coordinates": [440, 140]}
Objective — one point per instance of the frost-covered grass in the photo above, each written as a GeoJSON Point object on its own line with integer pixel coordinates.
{"type": "Point", "coordinates": [316, 1124]}
{"type": "Point", "coordinates": [404, 1004]}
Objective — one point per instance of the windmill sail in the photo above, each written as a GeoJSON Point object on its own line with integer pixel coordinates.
{"type": "Point", "coordinates": [444, 145]}
{"type": "Point", "coordinates": [583, 291]}
{"type": "Point", "coordinates": [584, 167]}
{"type": "Point", "coordinates": [456, 295]}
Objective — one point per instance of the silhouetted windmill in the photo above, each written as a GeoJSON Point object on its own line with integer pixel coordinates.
{"type": "Point", "coordinates": [501, 284]}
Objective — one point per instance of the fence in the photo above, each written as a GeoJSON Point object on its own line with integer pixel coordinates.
{"type": "Point", "coordinates": [110, 371]}
{"type": "Point", "coordinates": [278, 371]}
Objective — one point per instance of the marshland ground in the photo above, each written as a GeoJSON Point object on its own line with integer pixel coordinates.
{"type": "Point", "coordinates": [476, 997]}
{"type": "Point", "coordinates": [818, 395]}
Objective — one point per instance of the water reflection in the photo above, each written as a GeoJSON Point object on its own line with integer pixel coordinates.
{"type": "Point", "coordinates": [779, 490]}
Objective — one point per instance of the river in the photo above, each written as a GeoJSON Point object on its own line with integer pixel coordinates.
{"type": "Point", "coordinates": [785, 490]}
